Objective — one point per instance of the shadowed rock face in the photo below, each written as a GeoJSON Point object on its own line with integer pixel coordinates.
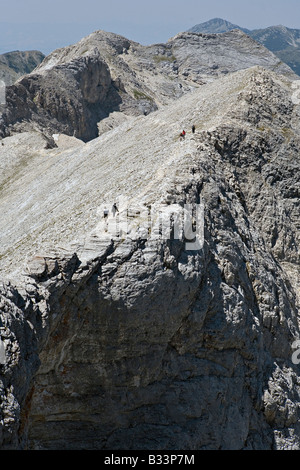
{"type": "Point", "coordinates": [139, 343]}
{"type": "Point", "coordinates": [69, 100]}
{"type": "Point", "coordinates": [78, 86]}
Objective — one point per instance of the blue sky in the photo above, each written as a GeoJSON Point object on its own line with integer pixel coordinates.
{"type": "Point", "coordinates": [48, 24]}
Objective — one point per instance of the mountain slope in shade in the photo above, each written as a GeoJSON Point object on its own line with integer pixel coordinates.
{"type": "Point", "coordinates": [134, 343]}
{"type": "Point", "coordinates": [216, 25]}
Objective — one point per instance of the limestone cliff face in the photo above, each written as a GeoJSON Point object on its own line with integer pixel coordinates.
{"type": "Point", "coordinates": [17, 63]}
{"type": "Point", "coordinates": [79, 86]}
{"type": "Point", "coordinates": [136, 342]}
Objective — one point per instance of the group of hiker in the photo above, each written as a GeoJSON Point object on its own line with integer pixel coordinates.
{"type": "Point", "coordinates": [183, 133]}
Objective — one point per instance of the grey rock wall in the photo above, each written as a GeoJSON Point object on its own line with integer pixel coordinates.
{"type": "Point", "coordinates": [140, 343]}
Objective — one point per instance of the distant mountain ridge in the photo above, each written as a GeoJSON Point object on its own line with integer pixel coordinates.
{"type": "Point", "coordinates": [282, 41]}
{"type": "Point", "coordinates": [216, 25]}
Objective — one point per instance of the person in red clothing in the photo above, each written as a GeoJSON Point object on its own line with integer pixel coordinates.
{"type": "Point", "coordinates": [182, 135]}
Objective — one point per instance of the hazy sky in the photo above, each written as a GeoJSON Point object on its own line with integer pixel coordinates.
{"type": "Point", "coordinates": [48, 24]}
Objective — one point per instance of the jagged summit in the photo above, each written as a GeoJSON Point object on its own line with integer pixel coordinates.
{"type": "Point", "coordinates": [216, 25]}
{"type": "Point", "coordinates": [78, 87]}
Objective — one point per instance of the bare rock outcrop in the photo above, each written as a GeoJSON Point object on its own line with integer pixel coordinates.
{"type": "Point", "coordinates": [17, 63]}
{"type": "Point", "coordinates": [78, 86]}
{"type": "Point", "coordinates": [134, 342]}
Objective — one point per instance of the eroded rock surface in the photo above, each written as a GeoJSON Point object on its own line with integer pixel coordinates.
{"type": "Point", "coordinates": [17, 63]}
{"type": "Point", "coordinates": [78, 86]}
{"type": "Point", "coordinates": [139, 343]}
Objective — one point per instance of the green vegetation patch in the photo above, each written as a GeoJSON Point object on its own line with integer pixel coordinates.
{"type": "Point", "coordinates": [139, 95]}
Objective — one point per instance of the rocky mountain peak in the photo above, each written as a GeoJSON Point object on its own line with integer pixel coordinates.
{"type": "Point", "coordinates": [77, 87]}
{"type": "Point", "coordinates": [17, 63]}
{"type": "Point", "coordinates": [150, 294]}
{"type": "Point", "coordinates": [216, 25]}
